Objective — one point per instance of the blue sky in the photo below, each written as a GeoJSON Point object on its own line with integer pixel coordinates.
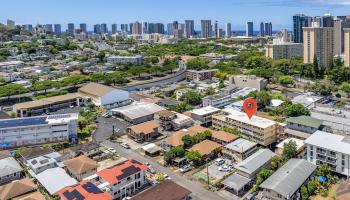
{"type": "Point", "coordinates": [238, 12]}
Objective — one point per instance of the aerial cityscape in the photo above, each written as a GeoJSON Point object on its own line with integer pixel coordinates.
{"type": "Point", "coordinates": [156, 100]}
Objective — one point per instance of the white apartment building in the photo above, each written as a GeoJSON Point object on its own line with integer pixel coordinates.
{"type": "Point", "coordinates": [257, 129]}
{"type": "Point", "coordinates": [123, 180]}
{"type": "Point", "coordinates": [30, 131]}
{"type": "Point", "coordinates": [284, 51]}
{"type": "Point", "coordinates": [203, 116]}
{"type": "Point", "coordinates": [243, 81]}
{"type": "Point", "coordinates": [335, 152]}
{"type": "Point", "coordinates": [217, 101]}
{"type": "Point", "coordinates": [122, 60]}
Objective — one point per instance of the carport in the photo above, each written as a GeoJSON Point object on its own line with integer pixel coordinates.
{"type": "Point", "coordinates": [236, 183]}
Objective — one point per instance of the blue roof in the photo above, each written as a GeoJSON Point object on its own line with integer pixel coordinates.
{"type": "Point", "coordinates": [8, 123]}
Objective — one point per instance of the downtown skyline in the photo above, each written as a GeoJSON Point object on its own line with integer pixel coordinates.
{"type": "Point", "coordinates": [236, 12]}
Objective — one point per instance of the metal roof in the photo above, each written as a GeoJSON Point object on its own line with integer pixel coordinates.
{"type": "Point", "coordinates": [290, 177]}
{"type": "Point", "coordinates": [9, 166]}
{"type": "Point", "coordinates": [305, 120]}
{"type": "Point", "coordinates": [236, 181]}
{"type": "Point", "coordinates": [254, 162]}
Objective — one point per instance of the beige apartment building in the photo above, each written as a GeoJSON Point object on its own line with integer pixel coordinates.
{"type": "Point", "coordinates": [284, 51]}
{"type": "Point", "coordinates": [257, 129]}
{"type": "Point", "coordinates": [319, 42]}
{"type": "Point", "coordinates": [347, 47]}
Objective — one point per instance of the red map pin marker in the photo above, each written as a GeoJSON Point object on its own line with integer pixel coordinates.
{"type": "Point", "coordinates": [249, 107]}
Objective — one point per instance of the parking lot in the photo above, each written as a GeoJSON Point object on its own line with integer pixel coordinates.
{"type": "Point", "coordinates": [105, 128]}
{"type": "Point", "coordinates": [214, 173]}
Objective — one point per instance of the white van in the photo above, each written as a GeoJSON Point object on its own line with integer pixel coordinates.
{"type": "Point", "coordinates": [219, 161]}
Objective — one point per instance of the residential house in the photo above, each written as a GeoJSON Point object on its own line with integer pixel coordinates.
{"type": "Point", "coordinates": [90, 149]}
{"type": "Point", "coordinates": [41, 163]}
{"type": "Point", "coordinates": [299, 144]}
{"type": "Point", "coordinates": [122, 180]}
{"type": "Point", "coordinates": [145, 131]}
{"type": "Point", "coordinates": [84, 190]}
{"type": "Point", "coordinates": [301, 127]}
{"type": "Point", "coordinates": [55, 179]}
{"type": "Point", "coordinates": [207, 148]}
{"type": "Point", "coordinates": [176, 138]}
{"type": "Point", "coordinates": [247, 170]}
{"type": "Point", "coordinates": [33, 152]}
{"type": "Point", "coordinates": [239, 149]}
{"type": "Point", "coordinates": [223, 137]}
{"type": "Point", "coordinates": [286, 182]}
{"type": "Point", "coordinates": [170, 120]}
{"type": "Point", "coordinates": [81, 167]}
{"type": "Point", "coordinates": [165, 190]}
{"type": "Point", "coordinates": [23, 189]}
{"type": "Point", "coordinates": [10, 170]}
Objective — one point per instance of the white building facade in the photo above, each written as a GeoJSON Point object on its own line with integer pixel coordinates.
{"type": "Point", "coordinates": [38, 130]}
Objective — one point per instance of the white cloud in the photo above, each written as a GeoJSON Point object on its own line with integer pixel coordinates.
{"type": "Point", "coordinates": [331, 2]}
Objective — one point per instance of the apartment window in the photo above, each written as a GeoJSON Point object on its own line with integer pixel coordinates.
{"type": "Point", "coordinates": [342, 156]}
{"type": "Point", "coordinates": [128, 178]}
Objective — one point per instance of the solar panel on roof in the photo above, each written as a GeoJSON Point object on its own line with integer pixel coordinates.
{"type": "Point", "coordinates": [58, 116]}
{"type": "Point", "coordinates": [128, 172]}
{"type": "Point", "coordinates": [91, 188]}
{"type": "Point", "coordinates": [74, 195]}
{"type": "Point", "coordinates": [8, 123]}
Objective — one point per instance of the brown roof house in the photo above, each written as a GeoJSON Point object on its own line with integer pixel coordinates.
{"type": "Point", "coordinates": [223, 137]}
{"type": "Point", "coordinates": [145, 131]}
{"type": "Point", "coordinates": [166, 190]}
{"type": "Point", "coordinates": [19, 190]}
{"type": "Point", "coordinates": [81, 167]}
{"type": "Point", "coordinates": [176, 139]}
{"type": "Point", "coordinates": [207, 148]}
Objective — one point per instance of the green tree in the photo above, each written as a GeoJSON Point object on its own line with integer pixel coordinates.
{"type": "Point", "coordinates": [12, 89]}
{"type": "Point", "coordinates": [263, 99]}
{"type": "Point", "coordinates": [187, 140]}
{"type": "Point", "coordinates": [194, 156]}
{"type": "Point", "coordinates": [210, 91]}
{"type": "Point", "coordinates": [99, 76]}
{"type": "Point", "coordinates": [290, 149]}
{"type": "Point", "coordinates": [73, 80]}
{"type": "Point", "coordinates": [191, 98]}
{"type": "Point", "coordinates": [323, 87]}
{"type": "Point", "coordinates": [197, 64]}
{"type": "Point", "coordinates": [44, 85]}
{"type": "Point", "coordinates": [277, 161]}
{"type": "Point", "coordinates": [296, 110]}
{"type": "Point", "coordinates": [324, 170]}
{"type": "Point", "coordinates": [261, 177]}
{"type": "Point", "coordinates": [181, 107]}
{"type": "Point", "coordinates": [345, 87]}
{"type": "Point", "coordinates": [101, 56]}
{"type": "Point", "coordinates": [137, 70]}
{"type": "Point", "coordinates": [316, 68]}
{"type": "Point", "coordinates": [285, 80]}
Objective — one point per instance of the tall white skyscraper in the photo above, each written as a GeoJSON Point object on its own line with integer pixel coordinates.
{"type": "Point", "coordinates": [337, 25]}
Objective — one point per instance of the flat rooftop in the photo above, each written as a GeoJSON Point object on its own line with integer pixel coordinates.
{"type": "Point", "coordinates": [330, 141]}
{"type": "Point", "coordinates": [241, 145]}
{"type": "Point", "coordinates": [39, 120]}
{"type": "Point", "coordinates": [254, 121]}
{"type": "Point", "coordinates": [205, 110]}
{"type": "Point", "coordinates": [138, 109]}
{"type": "Point", "coordinates": [306, 99]}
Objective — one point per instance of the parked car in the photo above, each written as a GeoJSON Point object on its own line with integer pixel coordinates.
{"type": "Point", "coordinates": [112, 150]}
{"type": "Point", "coordinates": [126, 146]}
{"type": "Point", "coordinates": [185, 168]}
{"type": "Point", "coordinates": [224, 168]}
{"type": "Point", "coordinates": [250, 196]}
{"type": "Point", "coordinates": [154, 182]}
{"type": "Point", "coordinates": [167, 177]}
{"type": "Point", "coordinates": [151, 170]}
{"type": "Point", "coordinates": [219, 161]}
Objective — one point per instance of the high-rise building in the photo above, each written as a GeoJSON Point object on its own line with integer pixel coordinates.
{"type": "Point", "coordinates": [48, 28]}
{"type": "Point", "coordinates": [337, 26]}
{"type": "Point", "coordinates": [228, 30]}
{"type": "Point", "coordinates": [136, 28]}
{"type": "Point", "coordinates": [97, 28]}
{"type": "Point", "coordinates": [57, 30]}
{"type": "Point", "coordinates": [270, 29]}
{"type": "Point", "coordinates": [10, 24]}
{"type": "Point", "coordinates": [83, 27]}
{"type": "Point", "coordinates": [300, 21]}
{"type": "Point", "coordinates": [206, 28]}
{"type": "Point", "coordinates": [189, 28]}
{"type": "Point", "coordinates": [144, 28]}
{"type": "Point", "coordinates": [249, 29]}
{"type": "Point", "coordinates": [217, 30]}
{"type": "Point", "coordinates": [327, 20]}
{"type": "Point", "coordinates": [124, 28]}
{"type": "Point", "coordinates": [347, 47]}
{"type": "Point", "coordinates": [28, 27]}
{"type": "Point", "coordinates": [70, 29]}
{"type": "Point", "coordinates": [156, 28]}
{"type": "Point", "coordinates": [170, 29]}
{"type": "Point", "coordinates": [262, 29]}
{"type": "Point", "coordinates": [114, 28]}
{"type": "Point", "coordinates": [104, 29]}
{"type": "Point", "coordinates": [318, 41]}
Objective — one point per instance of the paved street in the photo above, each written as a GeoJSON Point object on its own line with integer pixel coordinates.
{"type": "Point", "coordinates": [198, 192]}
